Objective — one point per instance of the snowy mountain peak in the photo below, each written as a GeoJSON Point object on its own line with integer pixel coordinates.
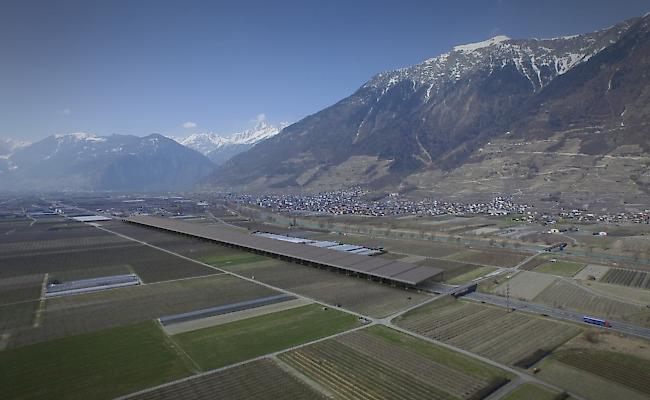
{"type": "Point", "coordinates": [208, 142]}
{"type": "Point", "coordinates": [537, 60]}
{"type": "Point", "coordinates": [80, 136]}
{"type": "Point", "coordinates": [202, 142]}
{"type": "Point", "coordinates": [479, 45]}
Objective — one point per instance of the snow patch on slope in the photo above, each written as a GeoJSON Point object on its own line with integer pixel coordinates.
{"type": "Point", "coordinates": [480, 45]}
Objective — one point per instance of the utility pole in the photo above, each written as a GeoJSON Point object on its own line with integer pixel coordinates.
{"type": "Point", "coordinates": [508, 296]}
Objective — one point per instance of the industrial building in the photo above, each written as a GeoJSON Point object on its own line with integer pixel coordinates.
{"type": "Point", "coordinates": [374, 268]}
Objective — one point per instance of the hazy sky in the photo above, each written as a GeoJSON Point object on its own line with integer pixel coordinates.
{"type": "Point", "coordinates": [139, 67]}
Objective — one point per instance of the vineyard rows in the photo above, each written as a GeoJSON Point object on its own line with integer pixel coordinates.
{"type": "Point", "coordinates": [627, 277]}
{"type": "Point", "coordinates": [565, 295]}
{"type": "Point", "coordinates": [257, 380]}
{"type": "Point", "coordinates": [633, 373]}
{"type": "Point", "coordinates": [507, 337]}
{"type": "Point", "coordinates": [351, 374]}
{"type": "Point", "coordinates": [446, 378]}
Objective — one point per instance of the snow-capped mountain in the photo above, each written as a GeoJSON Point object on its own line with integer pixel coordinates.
{"type": "Point", "coordinates": [221, 148]}
{"type": "Point", "coordinates": [8, 146]}
{"type": "Point", "coordinates": [83, 161]}
{"type": "Point", "coordinates": [203, 142]}
{"type": "Point", "coordinates": [538, 60]}
{"type": "Point", "coordinates": [437, 115]}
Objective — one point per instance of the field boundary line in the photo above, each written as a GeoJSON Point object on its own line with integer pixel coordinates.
{"type": "Point", "coordinates": [238, 364]}
{"type": "Point", "coordinates": [177, 347]}
{"type": "Point", "coordinates": [41, 303]}
{"type": "Point", "coordinates": [506, 389]}
{"type": "Point", "coordinates": [521, 374]}
{"type": "Point", "coordinates": [304, 378]}
{"type": "Point", "coordinates": [374, 321]}
{"type": "Point", "coordinates": [593, 291]}
{"type": "Point", "coordinates": [187, 278]}
{"type": "Point", "coordinates": [278, 289]}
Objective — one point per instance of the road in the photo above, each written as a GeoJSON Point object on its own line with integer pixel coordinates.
{"type": "Point", "coordinates": [520, 376]}
{"type": "Point", "coordinates": [572, 316]}
{"type": "Point", "coordinates": [535, 308]}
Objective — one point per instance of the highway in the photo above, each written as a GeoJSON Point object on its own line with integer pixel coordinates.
{"type": "Point", "coordinates": [526, 306]}
{"type": "Point", "coordinates": [573, 316]}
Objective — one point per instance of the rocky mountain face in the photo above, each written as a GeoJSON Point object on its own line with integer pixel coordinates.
{"type": "Point", "coordinates": [82, 161]}
{"type": "Point", "coordinates": [220, 149]}
{"type": "Point", "coordinates": [420, 127]}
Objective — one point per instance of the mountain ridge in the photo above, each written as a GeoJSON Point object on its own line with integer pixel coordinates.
{"type": "Point", "coordinates": [83, 161]}
{"type": "Point", "coordinates": [220, 149]}
{"type": "Point", "coordinates": [437, 115]}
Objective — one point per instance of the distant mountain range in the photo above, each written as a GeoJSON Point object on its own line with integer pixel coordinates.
{"type": "Point", "coordinates": [82, 161]}
{"type": "Point", "coordinates": [9, 146]}
{"type": "Point", "coordinates": [220, 149]}
{"type": "Point", "coordinates": [547, 116]}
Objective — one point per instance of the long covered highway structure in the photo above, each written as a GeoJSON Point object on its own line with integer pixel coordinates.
{"type": "Point", "coordinates": [374, 268]}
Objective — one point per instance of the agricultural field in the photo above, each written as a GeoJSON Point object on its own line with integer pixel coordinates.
{"type": "Point", "coordinates": [560, 268]}
{"type": "Point", "coordinates": [52, 245]}
{"type": "Point", "coordinates": [607, 359]}
{"type": "Point", "coordinates": [513, 338]}
{"type": "Point", "coordinates": [382, 363]}
{"type": "Point", "coordinates": [451, 269]}
{"type": "Point", "coordinates": [17, 316]}
{"type": "Point", "coordinates": [237, 257]}
{"type": "Point", "coordinates": [565, 295]}
{"type": "Point", "coordinates": [150, 264]}
{"type": "Point", "coordinates": [583, 383]}
{"type": "Point", "coordinates": [531, 391]}
{"type": "Point", "coordinates": [592, 272]}
{"type": "Point", "coordinates": [532, 263]}
{"type": "Point", "coordinates": [524, 285]}
{"type": "Point", "coordinates": [625, 369]}
{"type": "Point", "coordinates": [502, 258]}
{"type": "Point", "coordinates": [356, 294]}
{"type": "Point", "coordinates": [64, 316]}
{"type": "Point", "coordinates": [85, 366]}
{"type": "Point", "coordinates": [470, 275]}
{"type": "Point", "coordinates": [627, 277]}
{"type": "Point", "coordinates": [262, 379]}
{"type": "Point", "coordinates": [21, 288]}
{"type": "Point", "coordinates": [186, 246]}
{"type": "Point", "coordinates": [237, 341]}
{"type": "Point", "coordinates": [627, 294]}
{"type": "Point", "coordinates": [43, 230]}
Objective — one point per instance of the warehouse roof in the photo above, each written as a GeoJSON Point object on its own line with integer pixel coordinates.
{"type": "Point", "coordinates": [396, 271]}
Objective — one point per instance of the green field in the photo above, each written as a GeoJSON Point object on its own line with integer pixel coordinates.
{"type": "Point", "coordinates": [227, 344]}
{"type": "Point", "coordinates": [98, 365]}
{"type": "Point", "coordinates": [471, 275]}
{"type": "Point", "coordinates": [531, 391]}
{"type": "Point", "coordinates": [232, 259]}
{"type": "Point", "coordinates": [560, 268]}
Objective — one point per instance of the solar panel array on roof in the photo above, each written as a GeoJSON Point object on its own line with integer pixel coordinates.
{"type": "Point", "coordinates": [395, 271]}
{"type": "Point", "coordinates": [323, 243]}
{"type": "Point", "coordinates": [282, 237]}
{"type": "Point", "coordinates": [350, 248]}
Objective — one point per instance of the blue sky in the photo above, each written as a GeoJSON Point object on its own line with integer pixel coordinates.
{"type": "Point", "coordinates": [139, 67]}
